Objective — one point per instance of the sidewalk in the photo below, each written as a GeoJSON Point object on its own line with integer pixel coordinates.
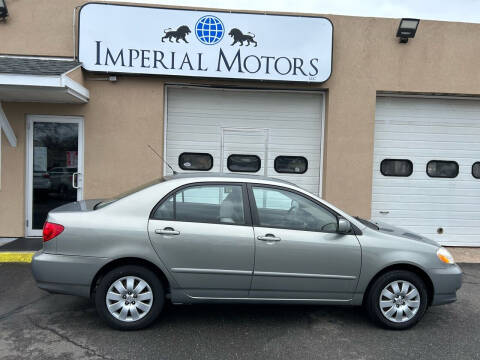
{"type": "Point", "coordinates": [22, 249]}
{"type": "Point", "coordinates": [18, 249]}
{"type": "Point", "coordinates": [464, 254]}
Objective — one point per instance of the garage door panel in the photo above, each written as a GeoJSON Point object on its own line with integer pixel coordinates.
{"type": "Point", "coordinates": [196, 118]}
{"type": "Point", "coordinates": [422, 130]}
{"type": "Point", "coordinates": [427, 145]}
{"type": "Point", "coordinates": [436, 215]}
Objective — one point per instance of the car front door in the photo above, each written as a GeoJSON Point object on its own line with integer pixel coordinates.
{"type": "Point", "coordinates": [298, 253]}
{"type": "Point", "coordinates": [203, 234]}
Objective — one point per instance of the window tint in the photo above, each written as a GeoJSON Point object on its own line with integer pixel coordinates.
{"type": "Point", "coordinates": [165, 211]}
{"type": "Point", "coordinates": [291, 164]}
{"type": "Point", "coordinates": [476, 170]}
{"type": "Point", "coordinates": [284, 209]}
{"type": "Point", "coordinates": [396, 167]}
{"type": "Point", "coordinates": [205, 204]}
{"type": "Point", "coordinates": [442, 169]}
{"type": "Point", "coordinates": [243, 163]}
{"type": "Point", "coordinates": [195, 161]}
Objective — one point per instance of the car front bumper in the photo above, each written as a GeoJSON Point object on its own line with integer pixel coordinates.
{"type": "Point", "coordinates": [66, 274]}
{"type": "Point", "coordinates": [446, 281]}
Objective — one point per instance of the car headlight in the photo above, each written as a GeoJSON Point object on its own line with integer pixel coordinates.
{"type": "Point", "coordinates": [445, 256]}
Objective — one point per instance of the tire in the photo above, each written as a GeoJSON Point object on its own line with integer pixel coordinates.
{"type": "Point", "coordinates": [386, 313]}
{"type": "Point", "coordinates": [134, 310]}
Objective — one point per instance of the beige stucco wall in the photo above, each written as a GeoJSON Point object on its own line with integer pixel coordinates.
{"type": "Point", "coordinates": [122, 117]}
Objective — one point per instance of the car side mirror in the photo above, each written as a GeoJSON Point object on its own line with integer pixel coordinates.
{"type": "Point", "coordinates": [344, 226]}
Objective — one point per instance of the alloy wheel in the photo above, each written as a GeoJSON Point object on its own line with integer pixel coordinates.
{"type": "Point", "coordinates": [399, 301]}
{"type": "Point", "coordinates": [129, 298]}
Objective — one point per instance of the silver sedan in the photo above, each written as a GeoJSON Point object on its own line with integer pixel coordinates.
{"type": "Point", "coordinates": [231, 238]}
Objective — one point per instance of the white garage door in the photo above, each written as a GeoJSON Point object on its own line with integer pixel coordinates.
{"type": "Point", "coordinates": [440, 137]}
{"type": "Point", "coordinates": [277, 134]}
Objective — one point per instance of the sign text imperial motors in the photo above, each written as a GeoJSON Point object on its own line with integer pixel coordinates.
{"type": "Point", "coordinates": [141, 40]}
{"type": "Point", "coordinates": [184, 61]}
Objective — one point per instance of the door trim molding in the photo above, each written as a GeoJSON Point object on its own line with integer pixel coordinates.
{"type": "Point", "coordinates": [29, 120]}
{"type": "Point", "coordinates": [303, 275]}
{"type": "Point", "coordinates": [211, 271]}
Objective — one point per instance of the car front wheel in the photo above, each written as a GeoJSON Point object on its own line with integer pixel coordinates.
{"type": "Point", "coordinates": [397, 299]}
{"type": "Point", "coordinates": [129, 297]}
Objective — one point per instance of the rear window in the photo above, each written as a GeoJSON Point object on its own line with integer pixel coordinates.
{"type": "Point", "coordinates": [442, 169]}
{"type": "Point", "coordinates": [476, 170]}
{"type": "Point", "coordinates": [127, 193]}
{"type": "Point", "coordinates": [195, 161]}
{"type": "Point", "coordinates": [243, 163]}
{"type": "Point", "coordinates": [291, 164]}
{"type": "Point", "coordinates": [396, 167]}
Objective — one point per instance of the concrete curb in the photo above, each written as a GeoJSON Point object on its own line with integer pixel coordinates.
{"type": "Point", "coordinates": [16, 256]}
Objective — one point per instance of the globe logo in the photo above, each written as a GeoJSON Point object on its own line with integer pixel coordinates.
{"type": "Point", "coordinates": [209, 30]}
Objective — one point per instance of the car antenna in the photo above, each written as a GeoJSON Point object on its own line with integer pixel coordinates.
{"type": "Point", "coordinates": [166, 163]}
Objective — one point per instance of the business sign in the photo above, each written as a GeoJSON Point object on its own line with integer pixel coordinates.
{"type": "Point", "coordinates": [146, 40]}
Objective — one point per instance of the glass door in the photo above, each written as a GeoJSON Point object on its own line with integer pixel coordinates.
{"type": "Point", "coordinates": [54, 166]}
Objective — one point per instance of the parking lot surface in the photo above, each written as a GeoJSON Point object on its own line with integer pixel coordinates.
{"type": "Point", "coordinates": [37, 325]}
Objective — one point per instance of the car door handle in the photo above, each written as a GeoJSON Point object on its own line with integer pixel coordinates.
{"type": "Point", "coordinates": [268, 237]}
{"type": "Point", "coordinates": [384, 212]}
{"type": "Point", "coordinates": [167, 231]}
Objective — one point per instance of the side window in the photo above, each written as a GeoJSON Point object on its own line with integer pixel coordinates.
{"type": "Point", "coordinates": [205, 204]}
{"type": "Point", "coordinates": [291, 164]}
{"type": "Point", "coordinates": [284, 209]}
{"type": "Point", "coordinates": [442, 169]}
{"type": "Point", "coordinates": [243, 163]}
{"type": "Point", "coordinates": [195, 161]}
{"type": "Point", "coordinates": [476, 170]}
{"type": "Point", "coordinates": [396, 167]}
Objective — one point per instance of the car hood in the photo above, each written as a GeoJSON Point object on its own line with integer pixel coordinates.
{"type": "Point", "coordinates": [77, 206]}
{"type": "Point", "coordinates": [403, 233]}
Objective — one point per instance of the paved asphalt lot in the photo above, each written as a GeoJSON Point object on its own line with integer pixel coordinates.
{"type": "Point", "coordinates": [36, 325]}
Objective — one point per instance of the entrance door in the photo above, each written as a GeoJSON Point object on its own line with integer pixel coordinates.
{"type": "Point", "coordinates": [244, 150]}
{"type": "Point", "coordinates": [54, 166]}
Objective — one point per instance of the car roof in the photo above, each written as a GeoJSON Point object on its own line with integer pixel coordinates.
{"type": "Point", "coordinates": [242, 177]}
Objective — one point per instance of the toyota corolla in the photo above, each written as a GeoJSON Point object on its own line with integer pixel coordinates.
{"type": "Point", "coordinates": [231, 238]}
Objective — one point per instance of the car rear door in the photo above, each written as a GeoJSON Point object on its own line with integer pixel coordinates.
{"type": "Point", "coordinates": [203, 233]}
{"type": "Point", "coordinates": [298, 254]}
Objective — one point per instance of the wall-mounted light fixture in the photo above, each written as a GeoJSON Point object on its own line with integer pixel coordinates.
{"type": "Point", "coordinates": [407, 29]}
{"type": "Point", "coordinates": [3, 10]}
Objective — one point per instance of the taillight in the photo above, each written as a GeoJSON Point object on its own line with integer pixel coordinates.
{"type": "Point", "coordinates": [51, 230]}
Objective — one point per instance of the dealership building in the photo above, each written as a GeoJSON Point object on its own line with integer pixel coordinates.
{"type": "Point", "coordinates": [379, 120]}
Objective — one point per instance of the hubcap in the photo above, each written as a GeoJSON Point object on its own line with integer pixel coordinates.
{"type": "Point", "coordinates": [399, 301]}
{"type": "Point", "coordinates": [129, 298]}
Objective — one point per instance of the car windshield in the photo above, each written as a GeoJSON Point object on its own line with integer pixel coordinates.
{"type": "Point", "coordinates": [127, 193]}
{"type": "Point", "coordinates": [367, 223]}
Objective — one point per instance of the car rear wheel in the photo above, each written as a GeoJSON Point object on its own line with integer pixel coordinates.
{"type": "Point", "coordinates": [397, 300]}
{"type": "Point", "coordinates": [129, 297]}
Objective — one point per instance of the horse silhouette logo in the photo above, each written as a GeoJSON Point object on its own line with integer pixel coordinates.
{"type": "Point", "coordinates": [179, 34]}
{"type": "Point", "coordinates": [239, 37]}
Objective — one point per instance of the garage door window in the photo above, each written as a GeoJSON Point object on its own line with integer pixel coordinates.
{"type": "Point", "coordinates": [476, 170]}
{"type": "Point", "coordinates": [396, 167]}
{"type": "Point", "coordinates": [243, 163]}
{"type": "Point", "coordinates": [442, 169]}
{"type": "Point", "coordinates": [291, 164]}
{"type": "Point", "coordinates": [195, 161]}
